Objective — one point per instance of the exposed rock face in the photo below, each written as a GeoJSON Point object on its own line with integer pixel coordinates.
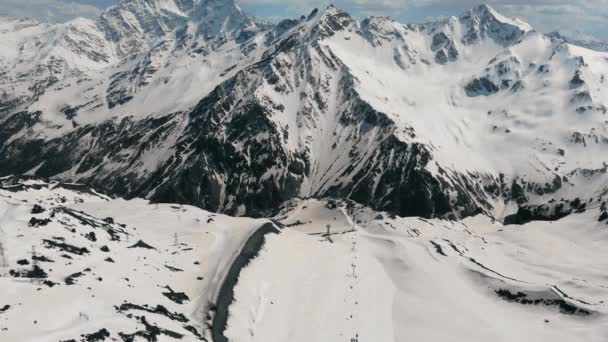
{"type": "Point", "coordinates": [198, 103]}
{"type": "Point", "coordinates": [481, 86]}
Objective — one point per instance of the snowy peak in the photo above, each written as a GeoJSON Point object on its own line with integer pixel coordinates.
{"type": "Point", "coordinates": [330, 21]}
{"type": "Point", "coordinates": [478, 29]}
{"type": "Point", "coordinates": [484, 22]}
{"type": "Point", "coordinates": [487, 13]}
{"type": "Point", "coordinates": [216, 17]}
{"type": "Point", "coordinates": [137, 25]}
{"type": "Point", "coordinates": [309, 30]}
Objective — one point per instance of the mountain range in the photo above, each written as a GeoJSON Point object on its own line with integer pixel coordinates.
{"type": "Point", "coordinates": [196, 102]}
{"type": "Point", "coordinates": [178, 170]}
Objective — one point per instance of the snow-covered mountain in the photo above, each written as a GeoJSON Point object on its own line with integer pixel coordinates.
{"type": "Point", "coordinates": [581, 39]}
{"type": "Point", "coordinates": [79, 265]}
{"type": "Point", "coordinates": [194, 102]}
{"type": "Point", "coordinates": [434, 182]}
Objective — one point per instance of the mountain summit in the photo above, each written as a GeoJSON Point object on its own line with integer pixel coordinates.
{"type": "Point", "coordinates": [195, 102]}
{"type": "Point", "coordinates": [137, 25]}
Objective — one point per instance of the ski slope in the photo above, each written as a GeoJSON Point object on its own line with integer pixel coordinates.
{"type": "Point", "coordinates": [423, 280]}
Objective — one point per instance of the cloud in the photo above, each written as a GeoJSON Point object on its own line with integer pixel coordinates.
{"type": "Point", "coordinates": [47, 10]}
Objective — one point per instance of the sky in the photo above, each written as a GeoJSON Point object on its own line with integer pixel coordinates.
{"type": "Point", "coordinates": [577, 18]}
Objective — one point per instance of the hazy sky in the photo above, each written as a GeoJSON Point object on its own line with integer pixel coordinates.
{"type": "Point", "coordinates": [573, 17]}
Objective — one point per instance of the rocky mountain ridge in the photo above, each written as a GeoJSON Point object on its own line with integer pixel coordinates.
{"type": "Point", "coordinates": [195, 102]}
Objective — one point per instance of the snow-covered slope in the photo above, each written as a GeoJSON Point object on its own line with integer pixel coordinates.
{"type": "Point", "coordinates": [581, 39]}
{"type": "Point", "coordinates": [382, 278]}
{"type": "Point", "coordinates": [77, 265]}
{"type": "Point", "coordinates": [194, 102]}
